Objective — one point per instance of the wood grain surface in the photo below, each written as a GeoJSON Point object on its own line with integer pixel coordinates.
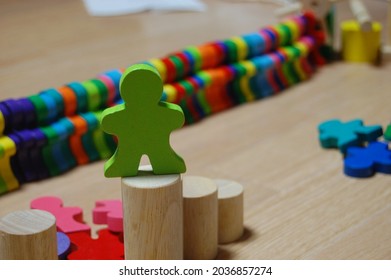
{"type": "Point", "coordinates": [297, 202]}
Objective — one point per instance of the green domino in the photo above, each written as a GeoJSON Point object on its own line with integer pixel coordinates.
{"type": "Point", "coordinates": [66, 149]}
{"type": "Point", "coordinates": [103, 92]}
{"type": "Point", "coordinates": [232, 50]}
{"type": "Point", "coordinates": [188, 117]}
{"type": "Point", "coordinates": [205, 77]}
{"type": "Point", "coordinates": [195, 53]}
{"type": "Point", "coordinates": [187, 86]}
{"type": "Point", "coordinates": [50, 163]}
{"type": "Point", "coordinates": [284, 34]}
{"type": "Point", "coordinates": [179, 67]}
{"type": "Point", "coordinates": [93, 95]}
{"type": "Point", "coordinates": [387, 133]}
{"type": "Point", "coordinates": [87, 138]}
{"type": "Point", "coordinates": [100, 140]}
{"type": "Point", "coordinates": [40, 109]}
{"type": "Point", "coordinates": [203, 102]}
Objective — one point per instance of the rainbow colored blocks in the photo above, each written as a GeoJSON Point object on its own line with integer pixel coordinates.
{"type": "Point", "coordinates": [48, 133]}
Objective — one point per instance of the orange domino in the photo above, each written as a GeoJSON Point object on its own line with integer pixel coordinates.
{"type": "Point", "coordinates": [70, 100]}
{"type": "Point", "coordinates": [209, 58]}
{"type": "Point", "coordinates": [76, 144]}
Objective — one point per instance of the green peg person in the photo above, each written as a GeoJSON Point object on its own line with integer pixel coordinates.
{"type": "Point", "coordinates": [143, 125]}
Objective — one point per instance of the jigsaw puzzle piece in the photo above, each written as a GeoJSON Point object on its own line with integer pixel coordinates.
{"type": "Point", "coordinates": [336, 134]}
{"type": "Point", "coordinates": [366, 161]}
{"type": "Point", "coordinates": [63, 245]}
{"type": "Point", "coordinates": [68, 219]}
{"type": "Point", "coordinates": [387, 133]}
{"type": "Point", "coordinates": [108, 246]}
{"type": "Point", "coordinates": [109, 212]}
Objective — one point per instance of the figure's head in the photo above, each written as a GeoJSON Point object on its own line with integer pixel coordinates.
{"type": "Point", "coordinates": [141, 83]}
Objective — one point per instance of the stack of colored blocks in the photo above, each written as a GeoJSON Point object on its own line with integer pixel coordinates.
{"type": "Point", "coordinates": [49, 133]}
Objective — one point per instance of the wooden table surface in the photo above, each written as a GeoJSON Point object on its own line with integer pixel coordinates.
{"type": "Point", "coordinates": [298, 202]}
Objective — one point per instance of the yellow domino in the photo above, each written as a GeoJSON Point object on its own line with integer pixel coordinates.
{"type": "Point", "coordinates": [170, 92]}
{"type": "Point", "coordinates": [160, 67]}
{"type": "Point", "coordinates": [9, 149]}
{"type": "Point", "coordinates": [303, 49]}
{"type": "Point", "coordinates": [244, 81]}
{"type": "Point", "coordinates": [2, 123]}
{"type": "Point", "coordinates": [241, 47]}
{"type": "Point", "coordinates": [294, 28]}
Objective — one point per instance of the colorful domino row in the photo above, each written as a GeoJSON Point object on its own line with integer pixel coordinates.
{"type": "Point", "coordinates": [38, 153]}
{"type": "Point", "coordinates": [53, 104]}
{"type": "Point", "coordinates": [54, 149]}
{"type": "Point", "coordinates": [193, 59]}
{"type": "Point", "coordinates": [217, 89]}
{"type": "Point", "coordinates": [101, 92]}
{"type": "Point", "coordinates": [51, 132]}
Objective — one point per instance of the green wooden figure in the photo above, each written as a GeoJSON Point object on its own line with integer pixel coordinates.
{"type": "Point", "coordinates": [143, 125]}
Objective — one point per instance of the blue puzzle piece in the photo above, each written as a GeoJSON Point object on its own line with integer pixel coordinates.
{"type": "Point", "coordinates": [364, 162]}
{"type": "Point", "coordinates": [336, 134]}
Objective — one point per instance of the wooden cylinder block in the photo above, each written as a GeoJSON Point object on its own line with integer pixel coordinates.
{"type": "Point", "coordinates": [230, 200]}
{"type": "Point", "coordinates": [28, 235]}
{"type": "Point", "coordinates": [359, 45]}
{"type": "Point", "coordinates": [153, 216]}
{"type": "Point", "coordinates": [200, 218]}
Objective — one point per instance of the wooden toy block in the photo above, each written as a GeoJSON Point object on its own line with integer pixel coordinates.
{"type": "Point", "coordinates": [8, 179]}
{"type": "Point", "coordinates": [143, 125]}
{"type": "Point", "coordinates": [109, 212]}
{"type": "Point", "coordinates": [200, 218]}
{"type": "Point", "coordinates": [108, 246]}
{"type": "Point", "coordinates": [69, 219]}
{"type": "Point", "coordinates": [63, 245]}
{"type": "Point", "coordinates": [366, 161]}
{"type": "Point", "coordinates": [359, 45]}
{"type": "Point", "coordinates": [28, 235]}
{"type": "Point", "coordinates": [153, 216]}
{"type": "Point", "coordinates": [230, 201]}
{"type": "Point", "coordinates": [337, 134]}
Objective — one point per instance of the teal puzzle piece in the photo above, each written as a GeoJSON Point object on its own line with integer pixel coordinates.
{"type": "Point", "coordinates": [336, 134]}
{"type": "Point", "coordinates": [143, 125]}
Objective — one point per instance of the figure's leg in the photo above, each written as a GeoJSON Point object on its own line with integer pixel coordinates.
{"type": "Point", "coordinates": [167, 162]}
{"type": "Point", "coordinates": [122, 164]}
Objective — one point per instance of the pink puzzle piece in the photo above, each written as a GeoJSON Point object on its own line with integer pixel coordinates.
{"type": "Point", "coordinates": [68, 219]}
{"type": "Point", "coordinates": [109, 212]}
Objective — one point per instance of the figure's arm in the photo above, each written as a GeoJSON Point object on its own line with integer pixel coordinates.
{"type": "Point", "coordinates": [176, 116]}
{"type": "Point", "coordinates": [110, 118]}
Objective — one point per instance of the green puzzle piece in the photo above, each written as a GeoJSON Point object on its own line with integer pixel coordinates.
{"type": "Point", "coordinates": [143, 125]}
{"type": "Point", "coordinates": [337, 134]}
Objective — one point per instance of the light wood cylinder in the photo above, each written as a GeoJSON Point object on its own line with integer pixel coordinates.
{"type": "Point", "coordinates": [153, 216]}
{"type": "Point", "coordinates": [28, 235]}
{"type": "Point", "coordinates": [200, 218]}
{"type": "Point", "coordinates": [230, 200]}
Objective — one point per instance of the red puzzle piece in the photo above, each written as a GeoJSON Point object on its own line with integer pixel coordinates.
{"type": "Point", "coordinates": [108, 246]}
{"type": "Point", "coordinates": [68, 219]}
{"type": "Point", "coordinates": [109, 212]}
